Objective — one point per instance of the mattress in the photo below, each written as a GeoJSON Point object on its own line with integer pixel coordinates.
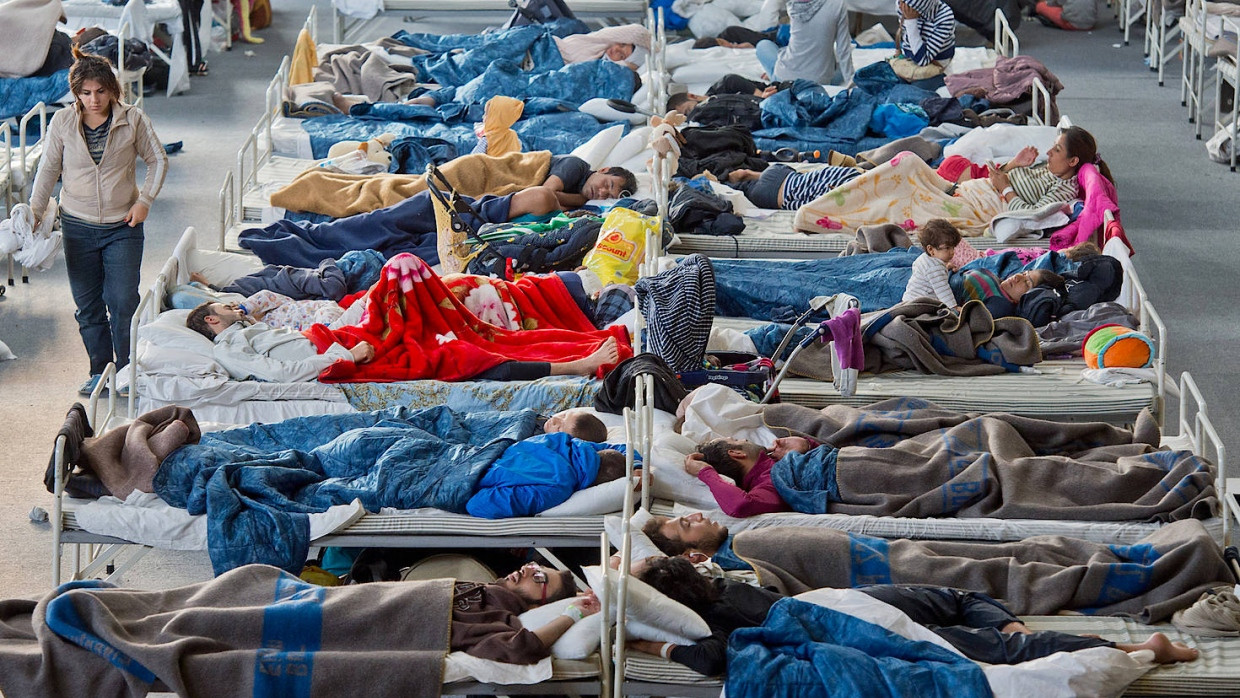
{"type": "Point", "coordinates": [273, 175]}
{"type": "Point", "coordinates": [547, 395]}
{"type": "Point", "coordinates": [253, 411]}
{"type": "Point", "coordinates": [1215, 673]}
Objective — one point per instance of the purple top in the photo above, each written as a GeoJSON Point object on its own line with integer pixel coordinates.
{"type": "Point", "coordinates": [757, 494]}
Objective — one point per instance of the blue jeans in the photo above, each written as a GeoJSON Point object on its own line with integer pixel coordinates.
{"type": "Point", "coordinates": [767, 53]}
{"type": "Point", "coordinates": [104, 263]}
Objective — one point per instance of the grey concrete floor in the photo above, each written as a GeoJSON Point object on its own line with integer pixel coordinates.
{"type": "Point", "coordinates": [1179, 209]}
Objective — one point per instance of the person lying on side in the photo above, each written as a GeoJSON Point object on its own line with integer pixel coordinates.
{"type": "Point", "coordinates": [983, 629]}
{"type": "Point", "coordinates": [249, 349]}
{"type": "Point", "coordinates": [748, 465]}
{"type": "Point", "coordinates": [485, 620]}
{"type": "Point", "coordinates": [541, 472]}
{"type": "Point", "coordinates": [781, 187]}
{"type": "Point", "coordinates": [574, 183]}
{"type": "Point", "coordinates": [274, 309]}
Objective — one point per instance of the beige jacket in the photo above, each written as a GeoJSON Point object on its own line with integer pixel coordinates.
{"type": "Point", "coordinates": [101, 193]}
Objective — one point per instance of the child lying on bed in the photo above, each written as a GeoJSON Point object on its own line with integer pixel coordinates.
{"type": "Point", "coordinates": [748, 466]}
{"type": "Point", "coordinates": [983, 629]}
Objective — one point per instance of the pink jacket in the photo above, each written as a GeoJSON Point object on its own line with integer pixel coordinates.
{"type": "Point", "coordinates": [1100, 196]}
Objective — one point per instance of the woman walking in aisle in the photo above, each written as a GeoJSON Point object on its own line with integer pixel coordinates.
{"type": "Point", "coordinates": [93, 147]}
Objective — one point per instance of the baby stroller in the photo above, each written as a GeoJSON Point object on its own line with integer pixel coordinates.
{"type": "Point", "coordinates": [458, 242]}
{"type": "Point", "coordinates": [842, 332]}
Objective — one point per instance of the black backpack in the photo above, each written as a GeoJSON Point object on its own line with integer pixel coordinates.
{"type": "Point", "coordinates": [729, 110]}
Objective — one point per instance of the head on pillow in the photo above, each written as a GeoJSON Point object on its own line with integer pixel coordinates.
{"type": "Point", "coordinates": [212, 318]}
{"type": "Point", "coordinates": [579, 425]}
{"type": "Point", "coordinates": [693, 536]}
{"type": "Point", "coordinates": [609, 183]}
{"type": "Point", "coordinates": [611, 466]}
{"type": "Point", "coordinates": [536, 585]}
{"type": "Point", "coordinates": [679, 580]}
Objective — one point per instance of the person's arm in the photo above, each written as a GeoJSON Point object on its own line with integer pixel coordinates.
{"type": "Point", "coordinates": [146, 142]}
{"type": "Point", "coordinates": [1053, 190]}
{"type": "Point", "coordinates": [738, 503]}
{"type": "Point", "coordinates": [708, 656]}
{"type": "Point", "coordinates": [242, 364]}
{"type": "Point", "coordinates": [506, 501]}
{"type": "Point", "coordinates": [585, 605]}
{"type": "Point", "coordinates": [569, 201]}
{"type": "Point", "coordinates": [49, 170]}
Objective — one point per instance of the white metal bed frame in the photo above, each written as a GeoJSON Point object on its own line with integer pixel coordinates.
{"type": "Point", "coordinates": [1227, 69]}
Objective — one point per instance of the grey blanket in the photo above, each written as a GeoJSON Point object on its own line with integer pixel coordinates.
{"type": "Point", "coordinates": [1163, 573]}
{"type": "Point", "coordinates": [1065, 335]}
{"type": "Point", "coordinates": [925, 336]}
{"type": "Point", "coordinates": [359, 71]}
{"type": "Point", "coordinates": [253, 631]}
{"type": "Point", "coordinates": [877, 238]}
{"type": "Point", "coordinates": [908, 458]}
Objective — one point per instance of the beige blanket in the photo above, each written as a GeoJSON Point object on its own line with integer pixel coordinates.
{"type": "Point", "coordinates": [902, 189]}
{"type": "Point", "coordinates": [340, 195]}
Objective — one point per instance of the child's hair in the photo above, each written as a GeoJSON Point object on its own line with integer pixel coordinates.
{"type": "Point", "coordinates": [1045, 277]}
{"type": "Point", "coordinates": [939, 234]}
{"type": "Point", "coordinates": [88, 66]}
{"type": "Point", "coordinates": [197, 320]}
{"type": "Point", "coordinates": [611, 466]}
{"type": "Point", "coordinates": [585, 426]}
{"type": "Point", "coordinates": [1081, 251]}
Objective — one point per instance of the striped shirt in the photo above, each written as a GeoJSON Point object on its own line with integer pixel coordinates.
{"type": "Point", "coordinates": [97, 138]}
{"type": "Point", "coordinates": [800, 188]}
{"type": "Point", "coordinates": [930, 37]}
{"type": "Point", "coordinates": [1036, 187]}
{"type": "Point", "coordinates": [929, 280]}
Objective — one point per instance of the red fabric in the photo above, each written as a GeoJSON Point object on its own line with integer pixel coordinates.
{"type": "Point", "coordinates": [954, 165]}
{"type": "Point", "coordinates": [1055, 15]}
{"type": "Point", "coordinates": [530, 303]}
{"type": "Point", "coordinates": [1100, 197]}
{"type": "Point", "coordinates": [421, 331]}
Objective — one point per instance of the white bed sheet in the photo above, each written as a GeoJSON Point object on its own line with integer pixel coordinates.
{"type": "Point", "coordinates": [255, 411]}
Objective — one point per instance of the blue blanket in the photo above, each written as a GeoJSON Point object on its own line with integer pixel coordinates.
{"type": "Point", "coordinates": [574, 84]}
{"type": "Point", "coordinates": [257, 484]}
{"type": "Point", "coordinates": [18, 95]}
{"type": "Point", "coordinates": [808, 651]}
{"type": "Point", "coordinates": [455, 59]}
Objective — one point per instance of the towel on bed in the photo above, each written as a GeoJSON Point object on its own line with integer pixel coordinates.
{"type": "Point", "coordinates": [986, 466]}
{"type": "Point", "coordinates": [420, 330]}
{"type": "Point", "coordinates": [339, 195]}
{"type": "Point", "coordinates": [1166, 571]}
{"type": "Point", "coordinates": [253, 631]}
{"type": "Point", "coordinates": [903, 189]}
{"type": "Point", "coordinates": [577, 48]}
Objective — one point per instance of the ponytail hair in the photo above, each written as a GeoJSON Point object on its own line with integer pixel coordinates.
{"type": "Point", "coordinates": [88, 66]}
{"type": "Point", "coordinates": [1081, 145]}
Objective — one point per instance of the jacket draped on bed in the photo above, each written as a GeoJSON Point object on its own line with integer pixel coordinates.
{"type": "Point", "coordinates": [420, 330]}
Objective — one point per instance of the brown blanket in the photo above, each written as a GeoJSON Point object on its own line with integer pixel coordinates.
{"type": "Point", "coordinates": [339, 195]}
{"type": "Point", "coordinates": [126, 458]}
{"type": "Point", "coordinates": [252, 631]}
{"type": "Point", "coordinates": [1165, 572]}
{"type": "Point", "coordinates": [909, 459]}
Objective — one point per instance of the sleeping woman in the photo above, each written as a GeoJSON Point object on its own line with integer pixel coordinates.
{"type": "Point", "coordinates": [907, 189]}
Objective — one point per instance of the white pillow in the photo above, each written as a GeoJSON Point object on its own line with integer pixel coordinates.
{"type": "Point", "coordinates": [671, 482]}
{"type": "Point", "coordinates": [155, 358]}
{"type": "Point", "coordinates": [650, 615]}
{"type": "Point", "coordinates": [169, 330]}
{"type": "Point", "coordinates": [599, 499]}
{"type": "Point", "coordinates": [578, 642]}
{"type": "Point", "coordinates": [629, 147]}
{"type": "Point", "coordinates": [601, 110]}
{"type": "Point", "coordinates": [221, 268]}
{"type": "Point", "coordinates": [594, 150]}
{"type": "Point", "coordinates": [642, 548]}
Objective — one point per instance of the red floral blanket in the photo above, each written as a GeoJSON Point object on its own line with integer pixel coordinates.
{"type": "Point", "coordinates": [421, 331]}
{"type": "Point", "coordinates": [530, 303]}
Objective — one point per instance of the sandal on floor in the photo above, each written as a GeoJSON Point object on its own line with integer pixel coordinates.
{"type": "Point", "coordinates": [200, 69]}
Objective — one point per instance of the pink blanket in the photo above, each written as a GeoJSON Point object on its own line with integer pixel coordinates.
{"type": "Point", "coordinates": [1100, 197]}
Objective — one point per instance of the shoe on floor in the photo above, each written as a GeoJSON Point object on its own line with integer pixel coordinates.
{"type": "Point", "coordinates": [89, 386]}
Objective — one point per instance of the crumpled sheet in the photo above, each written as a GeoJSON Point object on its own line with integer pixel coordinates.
{"type": "Point", "coordinates": [33, 248]}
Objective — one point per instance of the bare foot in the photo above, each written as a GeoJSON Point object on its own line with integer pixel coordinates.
{"type": "Point", "coordinates": [608, 353]}
{"type": "Point", "coordinates": [1165, 651]}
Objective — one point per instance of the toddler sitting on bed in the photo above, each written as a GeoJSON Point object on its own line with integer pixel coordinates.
{"type": "Point", "coordinates": [930, 270]}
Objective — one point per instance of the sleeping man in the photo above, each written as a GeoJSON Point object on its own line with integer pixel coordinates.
{"type": "Point", "coordinates": [1042, 575]}
{"type": "Point", "coordinates": [748, 466]}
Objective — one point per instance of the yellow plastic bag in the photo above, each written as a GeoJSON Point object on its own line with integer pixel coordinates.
{"type": "Point", "coordinates": [621, 246]}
